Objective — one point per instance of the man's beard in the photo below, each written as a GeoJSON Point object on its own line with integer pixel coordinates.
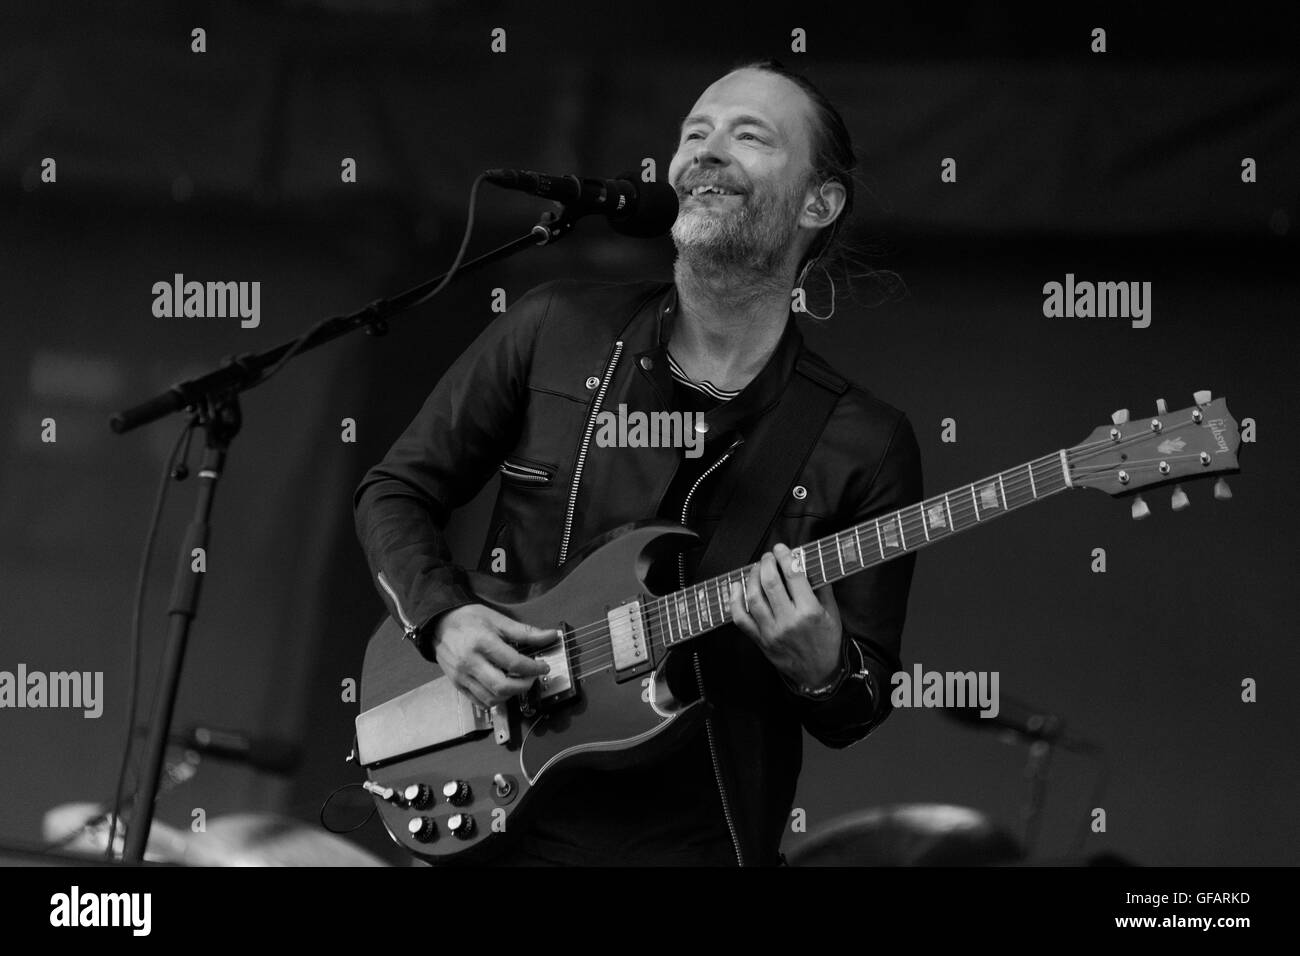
{"type": "Point", "coordinates": [754, 237]}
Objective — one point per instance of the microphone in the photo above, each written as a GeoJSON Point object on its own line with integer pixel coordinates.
{"type": "Point", "coordinates": [634, 208]}
{"type": "Point", "coordinates": [1015, 716]}
{"type": "Point", "coordinates": [263, 753]}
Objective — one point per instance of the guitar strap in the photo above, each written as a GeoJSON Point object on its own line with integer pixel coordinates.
{"type": "Point", "coordinates": [761, 491]}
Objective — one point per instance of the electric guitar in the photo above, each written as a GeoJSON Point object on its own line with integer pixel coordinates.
{"type": "Point", "coordinates": [451, 778]}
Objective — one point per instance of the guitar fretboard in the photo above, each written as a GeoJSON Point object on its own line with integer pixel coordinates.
{"type": "Point", "coordinates": [705, 605]}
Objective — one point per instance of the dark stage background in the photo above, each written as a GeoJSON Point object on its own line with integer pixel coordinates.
{"type": "Point", "coordinates": [225, 165]}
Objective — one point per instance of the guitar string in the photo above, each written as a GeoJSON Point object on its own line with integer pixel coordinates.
{"type": "Point", "coordinates": [659, 617]}
{"type": "Point", "coordinates": [659, 608]}
{"type": "Point", "coordinates": [663, 610]}
{"type": "Point", "coordinates": [659, 604]}
{"type": "Point", "coordinates": [603, 658]}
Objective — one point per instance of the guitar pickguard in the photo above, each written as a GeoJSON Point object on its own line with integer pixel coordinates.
{"type": "Point", "coordinates": [562, 733]}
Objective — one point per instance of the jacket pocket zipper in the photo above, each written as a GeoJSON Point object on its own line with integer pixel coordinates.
{"type": "Point", "coordinates": [516, 470]}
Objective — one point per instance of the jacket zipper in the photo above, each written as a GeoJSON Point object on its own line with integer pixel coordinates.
{"type": "Point", "coordinates": [582, 453]}
{"type": "Point", "coordinates": [409, 628]}
{"type": "Point", "coordinates": [695, 659]}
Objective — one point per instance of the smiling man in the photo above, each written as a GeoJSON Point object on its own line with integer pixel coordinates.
{"type": "Point", "coordinates": [764, 170]}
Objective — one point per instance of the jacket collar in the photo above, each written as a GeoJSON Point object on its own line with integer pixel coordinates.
{"type": "Point", "coordinates": [754, 400]}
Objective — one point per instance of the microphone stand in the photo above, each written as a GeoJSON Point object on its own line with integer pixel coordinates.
{"type": "Point", "coordinates": [1040, 754]}
{"type": "Point", "coordinates": [214, 399]}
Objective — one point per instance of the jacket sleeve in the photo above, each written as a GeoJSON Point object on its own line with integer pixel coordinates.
{"type": "Point", "coordinates": [466, 427]}
{"type": "Point", "coordinates": [873, 608]}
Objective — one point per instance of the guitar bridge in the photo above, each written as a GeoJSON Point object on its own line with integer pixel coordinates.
{"type": "Point", "coordinates": [558, 684]}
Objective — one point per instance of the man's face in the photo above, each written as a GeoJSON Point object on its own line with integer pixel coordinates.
{"type": "Point", "coordinates": [749, 134]}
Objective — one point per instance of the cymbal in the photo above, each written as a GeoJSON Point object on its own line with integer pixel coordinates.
{"type": "Point", "coordinates": [908, 834]}
{"type": "Point", "coordinates": [239, 839]}
{"type": "Point", "coordinates": [267, 839]}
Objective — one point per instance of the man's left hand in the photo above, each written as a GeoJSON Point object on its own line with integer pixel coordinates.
{"type": "Point", "coordinates": [797, 628]}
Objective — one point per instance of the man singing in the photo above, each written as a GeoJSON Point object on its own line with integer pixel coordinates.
{"type": "Point", "coordinates": [764, 171]}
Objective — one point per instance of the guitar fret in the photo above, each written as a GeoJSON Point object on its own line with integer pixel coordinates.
{"type": "Point", "coordinates": [901, 536]}
{"type": "Point", "coordinates": [879, 542]}
{"type": "Point", "coordinates": [1003, 489]}
{"type": "Point", "coordinates": [857, 539]}
{"type": "Point", "coordinates": [948, 508]}
{"type": "Point", "coordinates": [1033, 489]}
{"type": "Point", "coordinates": [925, 525]}
{"type": "Point", "coordinates": [975, 502]}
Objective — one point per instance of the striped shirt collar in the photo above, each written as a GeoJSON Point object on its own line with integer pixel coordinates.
{"type": "Point", "coordinates": [705, 387]}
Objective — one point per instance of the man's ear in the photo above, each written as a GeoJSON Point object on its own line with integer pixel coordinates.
{"type": "Point", "coordinates": [826, 206]}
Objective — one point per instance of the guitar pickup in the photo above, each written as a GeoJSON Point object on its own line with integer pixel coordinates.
{"type": "Point", "coordinates": [627, 639]}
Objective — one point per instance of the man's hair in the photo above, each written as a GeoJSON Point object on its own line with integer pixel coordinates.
{"type": "Point", "coordinates": [833, 160]}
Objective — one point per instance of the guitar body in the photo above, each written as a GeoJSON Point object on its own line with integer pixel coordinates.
{"type": "Point", "coordinates": [609, 719]}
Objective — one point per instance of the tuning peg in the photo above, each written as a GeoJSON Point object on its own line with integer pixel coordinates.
{"type": "Point", "coordinates": [1202, 397]}
{"type": "Point", "coordinates": [1140, 509]}
{"type": "Point", "coordinates": [1161, 407]}
{"type": "Point", "coordinates": [1221, 490]}
{"type": "Point", "coordinates": [1119, 417]}
{"type": "Point", "coordinates": [1179, 500]}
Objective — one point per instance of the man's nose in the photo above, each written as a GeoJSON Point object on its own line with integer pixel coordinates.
{"type": "Point", "coordinates": [708, 157]}
{"type": "Point", "coordinates": [709, 151]}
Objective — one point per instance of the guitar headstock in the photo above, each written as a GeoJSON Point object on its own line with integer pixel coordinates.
{"type": "Point", "coordinates": [1127, 456]}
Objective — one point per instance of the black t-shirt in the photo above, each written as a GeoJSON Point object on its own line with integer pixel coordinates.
{"type": "Point", "coordinates": [668, 813]}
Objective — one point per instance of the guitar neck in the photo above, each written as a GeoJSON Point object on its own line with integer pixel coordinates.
{"type": "Point", "coordinates": [704, 606]}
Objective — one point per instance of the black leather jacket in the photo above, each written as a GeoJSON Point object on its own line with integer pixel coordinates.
{"type": "Point", "coordinates": [522, 400]}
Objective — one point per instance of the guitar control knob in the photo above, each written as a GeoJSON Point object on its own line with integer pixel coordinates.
{"type": "Point", "coordinates": [461, 825]}
{"type": "Point", "coordinates": [418, 795]}
{"type": "Point", "coordinates": [457, 792]}
{"type": "Point", "coordinates": [422, 828]}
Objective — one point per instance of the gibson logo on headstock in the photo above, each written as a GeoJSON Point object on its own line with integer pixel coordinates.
{"type": "Point", "coordinates": [1217, 428]}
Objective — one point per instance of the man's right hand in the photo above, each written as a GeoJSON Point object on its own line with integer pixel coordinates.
{"type": "Point", "coordinates": [470, 646]}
